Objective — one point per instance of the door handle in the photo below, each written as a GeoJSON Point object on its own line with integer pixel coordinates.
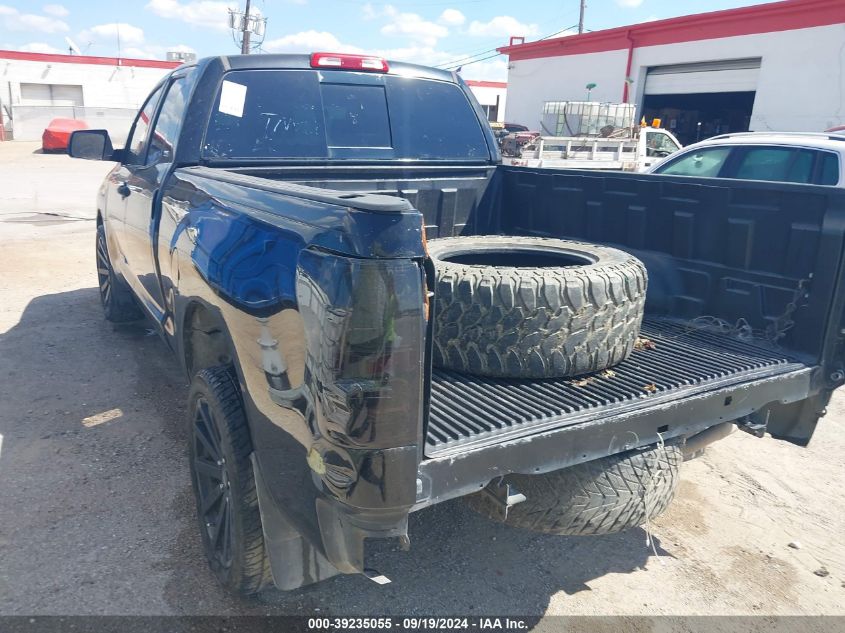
{"type": "Point", "coordinates": [124, 190]}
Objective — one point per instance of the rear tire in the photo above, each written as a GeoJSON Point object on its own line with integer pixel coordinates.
{"type": "Point", "coordinates": [603, 496]}
{"type": "Point", "coordinates": [118, 303]}
{"type": "Point", "coordinates": [224, 483]}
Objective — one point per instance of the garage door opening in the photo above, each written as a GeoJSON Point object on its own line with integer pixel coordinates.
{"type": "Point", "coordinates": [702, 99]}
{"type": "Point", "coordinates": [695, 117]}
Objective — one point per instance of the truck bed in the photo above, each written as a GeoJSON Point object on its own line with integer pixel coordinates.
{"type": "Point", "coordinates": [471, 411]}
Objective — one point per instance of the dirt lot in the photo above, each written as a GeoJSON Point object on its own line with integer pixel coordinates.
{"type": "Point", "coordinates": [97, 518]}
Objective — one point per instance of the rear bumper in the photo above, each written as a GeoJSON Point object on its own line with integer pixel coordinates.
{"type": "Point", "coordinates": [454, 475]}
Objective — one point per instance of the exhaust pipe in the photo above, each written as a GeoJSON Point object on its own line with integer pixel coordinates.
{"type": "Point", "coordinates": [695, 445]}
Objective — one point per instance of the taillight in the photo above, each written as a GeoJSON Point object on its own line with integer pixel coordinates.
{"type": "Point", "coordinates": [349, 62]}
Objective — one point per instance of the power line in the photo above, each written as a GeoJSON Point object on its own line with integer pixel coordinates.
{"type": "Point", "coordinates": [473, 62]}
{"type": "Point", "coordinates": [467, 56]}
{"type": "Point", "coordinates": [458, 62]}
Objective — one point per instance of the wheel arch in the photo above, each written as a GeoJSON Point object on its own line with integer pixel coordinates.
{"type": "Point", "coordinates": [204, 338]}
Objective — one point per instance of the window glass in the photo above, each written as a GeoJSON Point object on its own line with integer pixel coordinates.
{"type": "Point", "coordinates": [661, 143]}
{"type": "Point", "coordinates": [705, 162]}
{"type": "Point", "coordinates": [433, 119]}
{"type": "Point", "coordinates": [356, 116]}
{"type": "Point", "coordinates": [168, 124]}
{"type": "Point", "coordinates": [782, 164]}
{"type": "Point", "coordinates": [829, 169]}
{"type": "Point", "coordinates": [137, 144]}
{"type": "Point", "coordinates": [274, 114]}
{"type": "Point", "coordinates": [291, 114]}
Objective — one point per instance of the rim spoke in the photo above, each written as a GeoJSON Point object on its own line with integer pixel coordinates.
{"type": "Point", "coordinates": [209, 448]}
{"type": "Point", "coordinates": [227, 533]}
{"type": "Point", "coordinates": [210, 499]}
{"type": "Point", "coordinates": [208, 423]}
{"type": "Point", "coordinates": [103, 271]}
{"type": "Point", "coordinates": [209, 469]}
{"type": "Point", "coordinates": [219, 521]}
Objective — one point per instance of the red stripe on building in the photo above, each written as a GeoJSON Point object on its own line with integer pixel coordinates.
{"type": "Point", "coordinates": [486, 84]}
{"type": "Point", "coordinates": [87, 59]}
{"type": "Point", "coordinates": [763, 18]}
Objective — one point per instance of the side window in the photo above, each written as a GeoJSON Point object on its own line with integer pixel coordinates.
{"type": "Point", "coordinates": [166, 131]}
{"type": "Point", "coordinates": [136, 145]}
{"type": "Point", "coordinates": [660, 144]}
{"type": "Point", "coordinates": [782, 164]}
{"type": "Point", "coordinates": [828, 169]}
{"type": "Point", "coordinates": [705, 162]}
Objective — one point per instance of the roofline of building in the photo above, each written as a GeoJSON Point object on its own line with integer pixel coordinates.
{"type": "Point", "coordinates": [87, 59]}
{"type": "Point", "coordinates": [787, 15]}
{"type": "Point", "coordinates": [486, 84]}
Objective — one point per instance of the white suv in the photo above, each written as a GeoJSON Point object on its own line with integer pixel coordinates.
{"type": "Point", "coordinates": [800, 157]}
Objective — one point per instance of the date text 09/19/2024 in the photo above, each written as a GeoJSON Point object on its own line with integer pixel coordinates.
{"type": "Point", "coordinates": [419, 623]}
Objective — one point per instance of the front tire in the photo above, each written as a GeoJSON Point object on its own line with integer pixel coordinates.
{"type": "Point", "coordinates": [224, 483]}
{"type": "Point", "coordinates": [118, 303]}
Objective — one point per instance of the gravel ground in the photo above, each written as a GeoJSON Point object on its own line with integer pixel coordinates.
{"type": "Point", "coordinates": [96, 516]}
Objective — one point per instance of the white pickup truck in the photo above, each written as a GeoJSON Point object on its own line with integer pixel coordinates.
{"type": "Point", "coordinates": [636, 151]}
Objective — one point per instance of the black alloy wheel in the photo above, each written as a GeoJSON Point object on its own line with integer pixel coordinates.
{"type": "Point", "coordinates": [118, 302]}
{"type": "Point", "coordinates": [104, 273]}
{"type": "Point", "coordinates": [224, 483]}
{"type": "Point", "coordinates": [213, 487]}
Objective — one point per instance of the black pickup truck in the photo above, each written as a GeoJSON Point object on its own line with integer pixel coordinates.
{"type": "Point", "coordinates": [270, 215]}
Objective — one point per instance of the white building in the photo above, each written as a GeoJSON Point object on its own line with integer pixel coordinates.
{"type": "Point", "coordinates": [105, 92]}
{"type": "Point", "coordinates": [492, 96]}
{"type": "Point", "coordinates": [777, 66]}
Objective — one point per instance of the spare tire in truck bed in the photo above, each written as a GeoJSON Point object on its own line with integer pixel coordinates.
{"type": "Point", "coordinates": [528, 307]}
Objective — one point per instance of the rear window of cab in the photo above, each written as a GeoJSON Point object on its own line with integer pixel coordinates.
{"type": "Point", "coordinates": [309, 114]}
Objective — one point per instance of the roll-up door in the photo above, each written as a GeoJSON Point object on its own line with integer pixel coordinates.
{"type": "Point", "coordinates": [731, 75]}
{"type": "Point", "coordinates": [51, 95]}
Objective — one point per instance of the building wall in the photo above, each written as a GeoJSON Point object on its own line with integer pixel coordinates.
{"type": "Point", "coordinates": [487, 91]}
{"type": "Point", "coordinates": [800, 87]}
{"type": "Point", "coordinates": [111, 94]}
{"type": "Point", "coordinates": [532, 82]}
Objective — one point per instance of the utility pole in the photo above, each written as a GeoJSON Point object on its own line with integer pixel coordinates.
{"type": "Point", "coordinates": [246, 32]}
{"type": "Point", "coordinates": [580, 16]}
{"type": "Point", "coordinates": [244, 26]}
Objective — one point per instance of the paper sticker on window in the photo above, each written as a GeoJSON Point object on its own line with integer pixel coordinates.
{"type": "Point", "coordinates": [232, 97]}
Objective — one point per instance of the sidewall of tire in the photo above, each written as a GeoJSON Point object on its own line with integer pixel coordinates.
{"type": "Point", "coordinates": [603, 496]}
{"type": "Point", "coordinates": [240, 577]}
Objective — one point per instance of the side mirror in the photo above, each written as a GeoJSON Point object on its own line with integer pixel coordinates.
{"type": "Point", "coordinates": [90, 145]}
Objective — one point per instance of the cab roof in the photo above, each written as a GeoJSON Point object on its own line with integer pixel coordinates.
{"type": "Point", "coordinates": [303, 62]}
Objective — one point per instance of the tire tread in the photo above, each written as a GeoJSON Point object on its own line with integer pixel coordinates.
{"type": "Point", "coordinates": [603, 496]}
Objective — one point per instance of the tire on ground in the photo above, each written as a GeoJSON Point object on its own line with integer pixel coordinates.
{"type": "Point", "coordinates": [603, 496]}
{"type": "Point", "coordinates": [118, 302]}
{"type": "Point", "coordinates": [249, 571]}
{"type": "Point", "coordinates": [525, 307]}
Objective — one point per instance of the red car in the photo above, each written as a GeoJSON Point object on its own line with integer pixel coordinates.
{"type": "Point", "coordinates": [57, 135]}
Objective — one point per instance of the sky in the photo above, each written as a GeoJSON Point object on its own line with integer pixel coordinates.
{"type": "Point", "coordinates": [434, 32]}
